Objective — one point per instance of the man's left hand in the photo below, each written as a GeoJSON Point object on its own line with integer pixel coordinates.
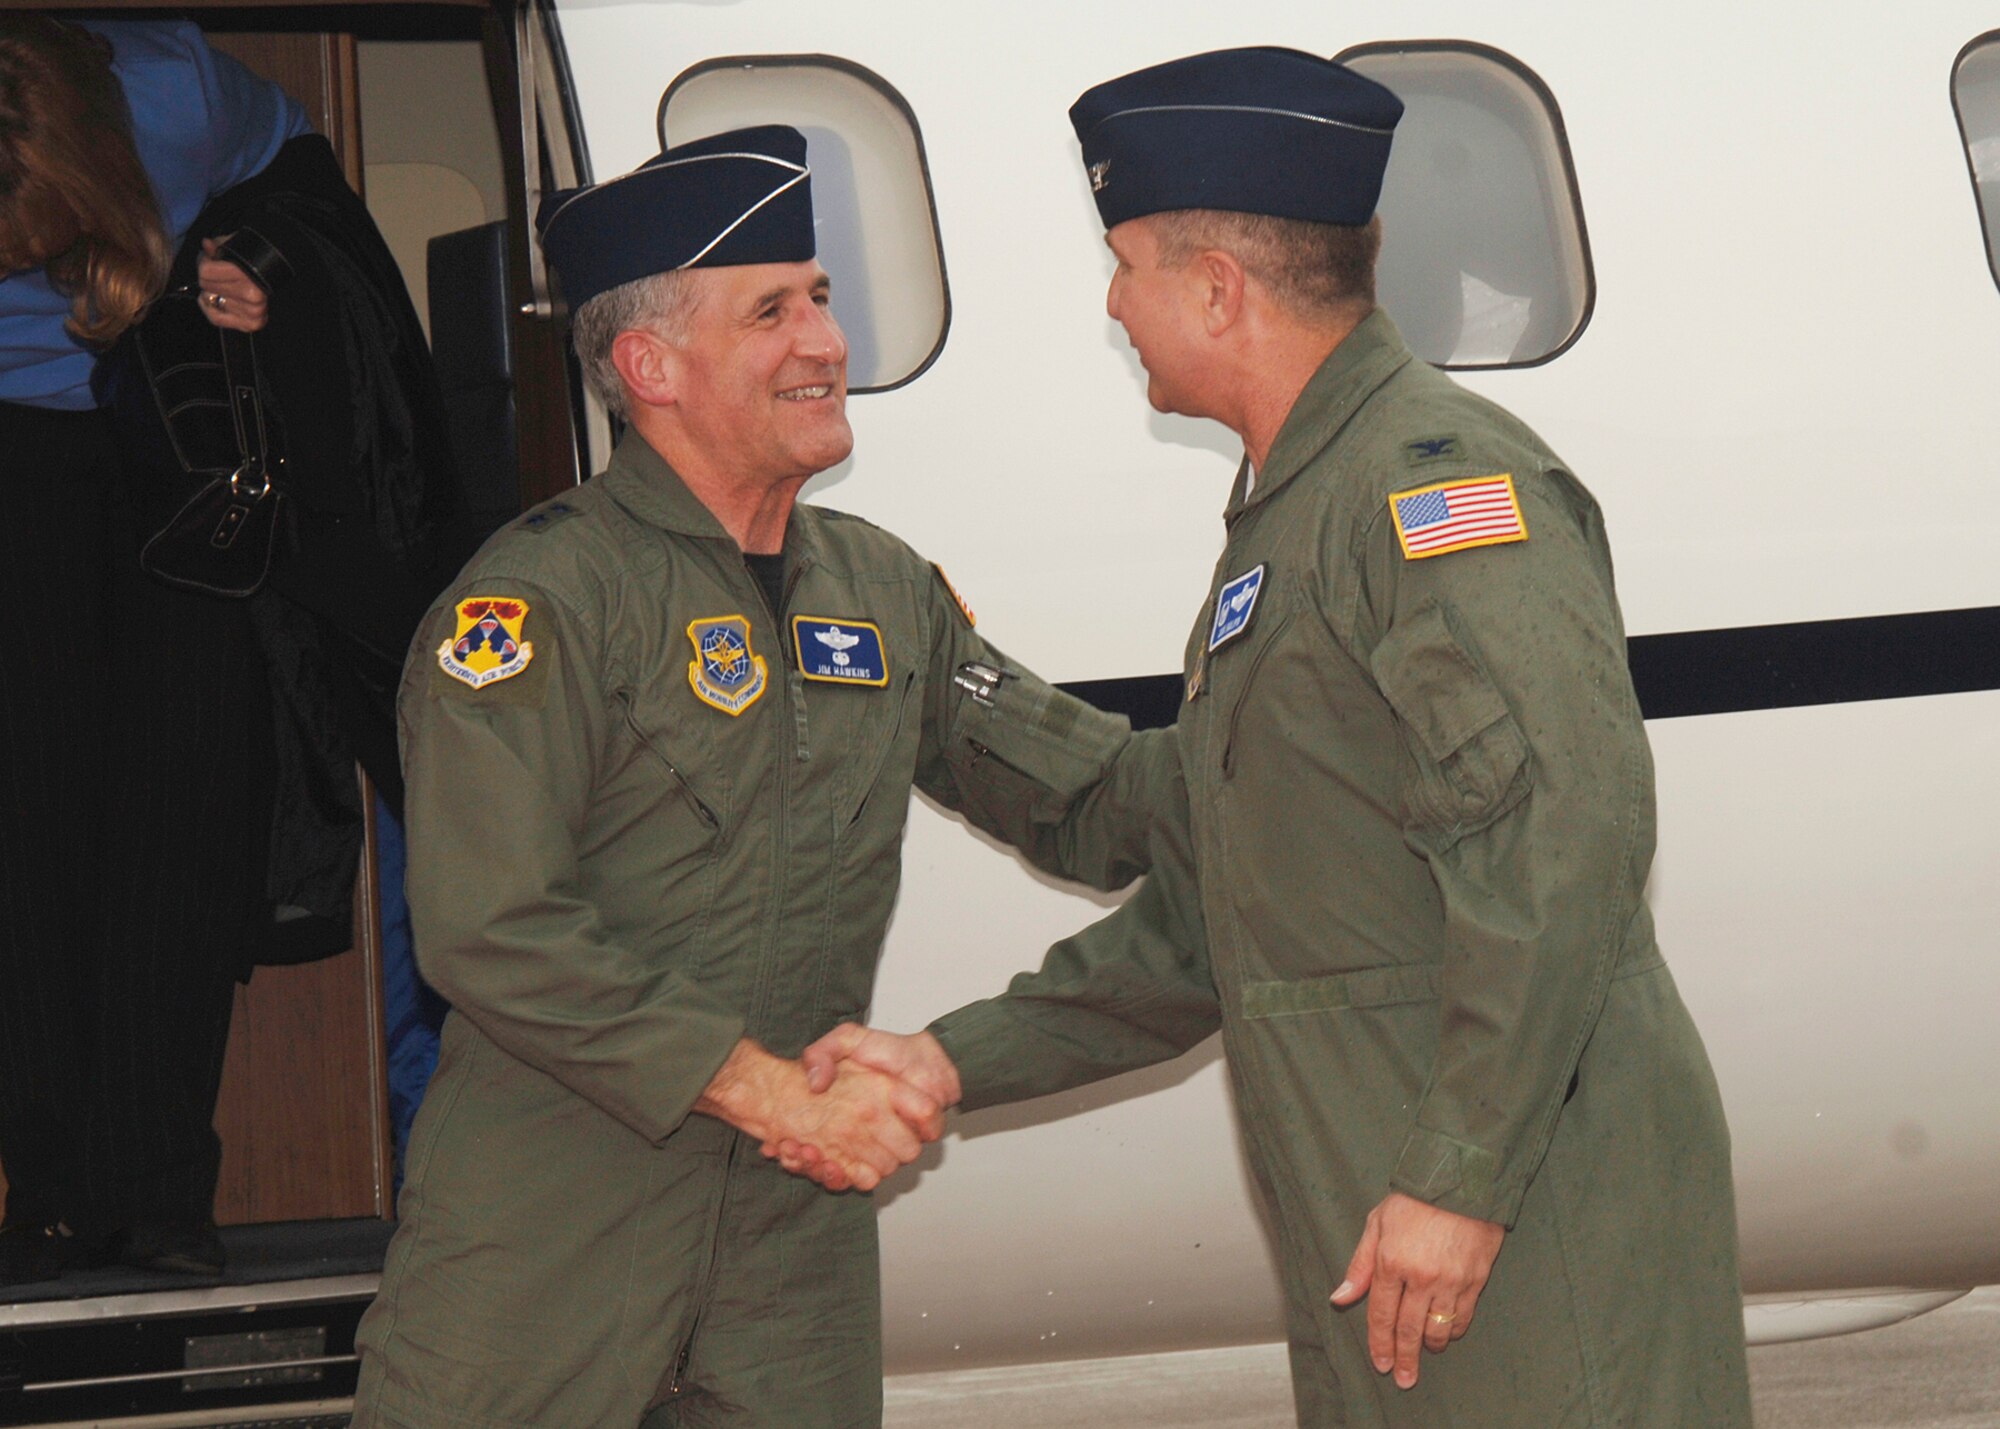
{"type": "Point", "coordinates": [1422, 1270]}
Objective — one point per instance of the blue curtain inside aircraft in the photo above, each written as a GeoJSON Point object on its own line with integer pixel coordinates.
{"type": "Point", "coordinates": [413, 1011]}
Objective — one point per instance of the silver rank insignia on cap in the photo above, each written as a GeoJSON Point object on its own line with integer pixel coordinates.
{"type": "Point", "coordinates": [1100, 175]}
{"type": "Point", "coordinates": [840, 651]}
{"type": "Point", "coordinates": [725, 672]}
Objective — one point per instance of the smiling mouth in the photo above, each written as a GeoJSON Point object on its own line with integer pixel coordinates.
{"type": "Point", "coordinates": [807, 394]}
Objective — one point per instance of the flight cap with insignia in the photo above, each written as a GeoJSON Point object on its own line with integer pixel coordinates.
{"type": "Point", "coordinates": [731, 199]}
{"type": "Point", "coordinates": [1263, 130]}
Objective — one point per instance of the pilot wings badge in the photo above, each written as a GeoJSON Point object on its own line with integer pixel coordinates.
{"type": "Point", "coordinates": [487, 646]}
{"type": "Point", "coordinates": [839, 651]}
{"type": "Point", "coordinates": [725, 671]}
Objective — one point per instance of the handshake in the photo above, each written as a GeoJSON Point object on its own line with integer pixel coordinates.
{"type": "Point", "coordinates": [856, 1105]}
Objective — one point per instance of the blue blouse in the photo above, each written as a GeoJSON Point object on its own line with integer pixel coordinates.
{"type": "Point", "coordinates": [202, 123]}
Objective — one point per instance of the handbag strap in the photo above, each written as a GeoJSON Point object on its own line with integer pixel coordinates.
{"type": "Point", "coordinates": [252, 476]}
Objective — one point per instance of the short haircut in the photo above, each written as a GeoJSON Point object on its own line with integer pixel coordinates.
{"type": "Point", "coordinates": [75, 201]}
{"type": "Point", "coordinates": [1316, 271]}
{"type": "Point", "coordinates": [662, 304]}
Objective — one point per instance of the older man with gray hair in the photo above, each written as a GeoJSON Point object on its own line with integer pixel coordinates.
{"type": "Point", "coordinates": [660, 740]}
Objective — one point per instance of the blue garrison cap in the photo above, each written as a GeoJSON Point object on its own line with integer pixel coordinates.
{"type": "Point", "coordinates": [744, 196]}
{"type": "Point", "coordinates": [1263, 130]}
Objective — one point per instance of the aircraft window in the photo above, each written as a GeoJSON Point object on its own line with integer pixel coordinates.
{"type": "Point", "coordinates": [1485, 262]}
{"type": "Point", "coordinates": [871, 193]}
{"type": "Point", "coordinates": [1975, 94]}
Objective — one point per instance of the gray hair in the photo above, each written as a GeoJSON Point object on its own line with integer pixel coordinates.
{"type": "Point", "coordinates": [1315, 271]}
{"type": "Point", "coordinates": [661, 303]}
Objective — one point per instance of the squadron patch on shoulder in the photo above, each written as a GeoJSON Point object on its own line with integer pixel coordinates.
{"type": "Point", "coordinates": [725, 672]}
{"type": "Point", "coordinates": [956, 599]}
{"type": "Point", "coordinates": [1235, 604]}
{"type": "Point", "coordinates": [487, 647]}
{"type": "Point", "coordinates": [840, 651]}
{"type": "Point", "coordinates": [1457, 515]}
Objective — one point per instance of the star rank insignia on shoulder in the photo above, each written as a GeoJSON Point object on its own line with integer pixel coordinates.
{"type": "Point", "coordinates": [1457, 515]}
{"type": "Point", "coordinates": [725, 672]}
{"type": "Point", "coordinates": [487, 646]}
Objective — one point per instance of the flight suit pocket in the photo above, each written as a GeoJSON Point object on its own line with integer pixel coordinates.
{"type": "Point", "coordinates": [1468, 762]}
{"type": "Point", "coordinates": [877, 745]}
{"type": "Point", "coordinates": [1022, 748]}
{"type": "Point", "coordinates": [709, 809]}
{"type": "Point", "coordinates": [1342, 992]}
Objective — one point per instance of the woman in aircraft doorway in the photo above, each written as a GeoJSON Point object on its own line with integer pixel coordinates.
{"type": "Point", "coordinates": [135, 726]}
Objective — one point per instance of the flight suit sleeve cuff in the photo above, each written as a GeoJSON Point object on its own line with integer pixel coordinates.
{"type": "Point", "coordinates": [1455, 1176]}
{"type": "Point", "coordinates": [975, 1038]}
{"type": "Point", "coordinates": [701, 1042]}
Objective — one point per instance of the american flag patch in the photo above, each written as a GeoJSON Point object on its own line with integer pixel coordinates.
{"type": "Point", "coordinates": [1454, 515]}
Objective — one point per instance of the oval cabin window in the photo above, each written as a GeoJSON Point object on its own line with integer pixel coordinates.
{"type": "Point", "coordinates": [871, 186]}
{"type": "Point", "coordinates": [1485, 262]}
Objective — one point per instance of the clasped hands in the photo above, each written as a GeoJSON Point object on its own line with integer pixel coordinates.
{"type": "Point", "coordinates": [874, 1099]}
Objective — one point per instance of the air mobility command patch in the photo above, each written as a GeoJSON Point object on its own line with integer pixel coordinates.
{"type": "Point", "coordinates": [956, 599]}
{"type": "Point", "coordinates": [1234, 606]}
{"type": "Point", "coordinates": [487, 646]}
{"type": "Point", "coordinates": [839, 651]}
{"type": "Point", "coordinates": [1457, 515]}
{"type": "Point", "coordinates": [725, 672]}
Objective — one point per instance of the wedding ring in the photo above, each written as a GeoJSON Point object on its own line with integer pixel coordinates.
{"type": "Point", "coordinates": [1438, 1317]}
{"type": "Point", "coordinates": [214, 300]}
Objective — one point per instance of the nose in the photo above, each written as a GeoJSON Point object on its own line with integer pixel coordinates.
{"type": "Point", "coordinates": [820, 338]}
{"type": "Point", "coordinates": [1111, 299]}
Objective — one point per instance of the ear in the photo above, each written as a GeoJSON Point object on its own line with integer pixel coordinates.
{"type": "Point", "coordinates": [648, 365]}
{"type": "Point", "coordinates": [1220, 282]}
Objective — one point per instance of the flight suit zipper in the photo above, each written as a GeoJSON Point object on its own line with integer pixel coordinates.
{"type": "Point", "coordinates": [895, 732]}
{"type": "Point", "coordinates": [1243, 694]}
{"type": "Point", "coordinates": [693, 800]}
{"type": "Point", "coordinates": [686, 1354]}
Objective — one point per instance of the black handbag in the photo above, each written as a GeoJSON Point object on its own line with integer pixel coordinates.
{"type": "Point", "coordinates": [218, 475]}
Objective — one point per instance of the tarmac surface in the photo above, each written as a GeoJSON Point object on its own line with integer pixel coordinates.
{"type": "Point", "coordinates": [1939, 1371]}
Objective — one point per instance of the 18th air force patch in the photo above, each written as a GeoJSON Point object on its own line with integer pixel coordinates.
{"type": "Point", "coordinates": [487, 646]}
{"type": "Point", "coordinates": [725, 672]}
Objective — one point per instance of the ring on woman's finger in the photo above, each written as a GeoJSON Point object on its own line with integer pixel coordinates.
{"type": "Point", "coordinates": [215, 300]}
{"type": "Point", "coordinates": [1438, 1317]}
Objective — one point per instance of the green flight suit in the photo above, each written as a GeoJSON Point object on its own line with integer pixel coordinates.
{"type": "Point", "coordinates": [1421, 812]}
{"type": "Point", "coordinates": [613, 878]}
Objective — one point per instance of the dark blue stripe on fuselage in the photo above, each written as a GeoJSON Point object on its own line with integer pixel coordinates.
{"type": "Point", "coordinates": [1752, 667]}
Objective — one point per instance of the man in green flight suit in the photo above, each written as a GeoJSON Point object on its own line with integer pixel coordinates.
{"type": "Point", "coordinates": [660, 740]}
{"type": "Point", "coordinates": [1419, 802]}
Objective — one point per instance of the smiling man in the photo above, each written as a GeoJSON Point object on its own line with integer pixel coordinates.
{"type": "Point", "coordinates": [660, 740]}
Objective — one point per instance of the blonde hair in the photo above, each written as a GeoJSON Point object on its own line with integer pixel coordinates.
{"type": "Point", "coordinates": [74, 198]}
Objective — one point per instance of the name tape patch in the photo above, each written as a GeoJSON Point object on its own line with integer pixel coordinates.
{"type": "Point", "coordinates": [487, 646]}
{"type": "Point", "coordinates": [840, 651]}
{"type": "Point", "coordinates": [725, 671]}
{"type": "Point", "coordinates": [1234, 606]}
{"type": "Point", "coordinates": [1457, 515]}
